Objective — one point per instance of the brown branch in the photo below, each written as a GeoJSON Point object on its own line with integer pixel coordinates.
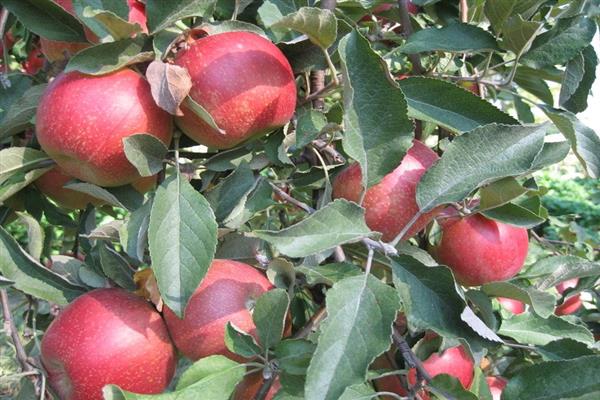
{"type": "Point", "coordinates": [464, 11]}
{"type": "Point", "coordinates": [312, 323]}
{"type": "Point", "coordinates": [13, 333]}
{"type": "Point", "coordinates": [412, 361]}
{"type": "Point", "coordinates": [407, 31]}
{"type": "Point", "coordinates": [264, 388]}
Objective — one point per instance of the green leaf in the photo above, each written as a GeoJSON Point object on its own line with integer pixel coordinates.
{"type": "Point", "coordinates": [377, 129]}
{"type": "Point", "coordinates": [133, 235]}
{"type": "Point", "coordinates": [35, 235]}
{"type": "Point", "coordinates": [337, 223]}
{"type": "Point", "coordinates": [68, 268]}
{"type": "Point", "coordinates": [572, 78]}
{"type": "Point", "coordinates": [564, 349]}
{"type": "Point", "coordinates": [163, 14]}
{"type": "Point", "coordinates": [272, 11]}
{"type": "Point", "coordinates": [240, 342]}
{"type": "Point", "coordinates": [145, 152]}
{"type": "Point", "coordinates": [105, 58]}
{"type": "Point", "coordinates": [116, 267]}
{"type": "Point", "coordinates": [293, 355]}
{"type": "Point", "coordinates": [450, 387]}
{"type": "Point", "coordinates": [449, 106]}
{"type": "Point", "coordinates": [182, 237]}
{"type": "Point", "coordinates": [47, 19]}
{"type": "Point", "coordinates": [108, 25]}
{"type": "Point", "coordinates": [117, 7]}
{"type": "Point", "coordinates": [227, 195]}
{"type": "Point", "coordinates": [269, 317]}
{"type": "Point", "coordinates": [479, 157]}
{"type": "Point", "coordinates": [499, 193]}
{"type": "Point", "coordinates": [456, 38]}
{"type": "Point", "coordinates": [358, 327]}
{"type": "Point", "coordinates": [203, 114]}
{"type": "Point", "coordinates": [210, 378]}
{"type": "Point", "coordinates": [561, 43]}
{"type": "Point", "coordinates": [542, 302]}
{"type": "Point", "coordinates": [31, 277]}
{"type": "Point", "coordinates": [95, 191]}
{"type": "Point", "coordinates": [430, 300]}
{"type": "Point", "coordinates": [516, 215]}
{"type": "Point", "coordinates": [358, 392]}
{"type": "Point", "coordinates": [5, 282]}
{"type": "Point", "coordinates": [498, 12]}
{"type": "Point", "coordinates": [214, 28]}
{"type": "Point", "coordinates": [584, 141]}
{"type": "Point", "coordinates": [519, 34]}
{"type": "Point", "coordinates": [328, 274]}
{"type": "Point", "coordinates": [576, 100]}
{"type": "Point", "coordinates": [309, 125]}
{"type": "Point", "coordinates": [552, 153]}
{"type": "Point", "coordinates": [532, 329]}
{"type": "Point", "coordinates": [16, 84]}
{"type": "Point", "coordinates": [19, 167]}
{"type": "Point", "coordinates": [529, 79]}
{"type": "Point", "coordinates": [554, 380]}
{"type": "Point", "coordinates": [21, 113]}
{"type": "Point", "coordinates": [318, 24]}
{"type": "Point", "coordinates": [562, 268]}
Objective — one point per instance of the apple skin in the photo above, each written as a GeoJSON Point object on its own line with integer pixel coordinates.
{"type": "Point", "coordinates": [572, 304]}
{"type": "Point", "coordinates": [454, 361]}
{"type": "Point", "coordinates": [480, 250]}
{"type": "Point", "coordinates": [391, 383]}
{"type": "Point", "coordinates": [34, 62]}
{"type": "Point", "coordinates": [81, 121]}
{"type": "Point", "coordinates": [497, 385]}
{"type": "Point", "coordinates": [244, 81]}
{"type": "Point", "coordinates": [247, 388]}
{"type": "Point", "coordinates": [107, 336]}
{"type": "Point", "coordinates": [472, 87]}
{"type": "Point", "coordinates": [391, 203]}
{"type": "Point", "coordinates": [227, 293]}
{"type": "Point", "coordinates": [56, 50]}
{"type": "Point", "coordinates": [514, 306]}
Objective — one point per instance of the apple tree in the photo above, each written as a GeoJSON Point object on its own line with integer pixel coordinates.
{"type": "Point", "coordinates": [293, 199]}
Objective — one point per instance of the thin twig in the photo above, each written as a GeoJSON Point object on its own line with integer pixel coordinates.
{"type": "Point", "coordinates": [406, 228]}
{"type": "Point", "coordinates": [409, 356]}
{"type": "Point", "coordinates": [318, 93]}
{"type": "Point", "coordinates": [264, 388]}
{"type": "Point", "coordinates": [415, 60]}
{"type": "Point", "coordinates": [13, 333]}
{"type": "Point", "coordinates": [312, 323]}
{"type": "Point", "coordinates": [464, 11]}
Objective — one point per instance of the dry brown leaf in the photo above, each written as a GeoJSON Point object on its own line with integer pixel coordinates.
{"type": "Point", "coordinates": [170, 84]}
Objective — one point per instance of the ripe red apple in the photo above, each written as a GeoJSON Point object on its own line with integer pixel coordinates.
{"type": "Point", "coordinates": [454, 361]}
{"type": "Point", "coordinates": [247, 388]}
{"type": "Point", "coordinates": [244, 81]}
{"type": "Point", "coordinates": [52, 182]}
{"type": "Point", "coordinates": [572, 304]}
{"type": "Point", "coordinates": [34, 62]}
{"type": "Point", "coordinates": [497, 385]}
{"type": "Point", "coordinates": [81, 121]}
{"type": "Point", "coordinates": [227, 293]}
{"type": "Point", "coordinates": [58, 50]}
{"type": "Point", "coordinates": [512, 305]}
{"type": "Point", "coordinates": [107, 336]}
{"type": "Point", "coordinates": [390, 383]}
{"type": "Point", "coordinates": [480, 250]}
{"type": "Point", "coordinates": [391, 203]}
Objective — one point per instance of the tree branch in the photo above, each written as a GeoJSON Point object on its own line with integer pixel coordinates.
{"type": "Point", "coordinates": [407, 31]}
{"type": "Point", "coordinates": [312, 323]}
{"type": "Point", "coordinates": [264, 388]}
{"type": "Point", "coordinates": [13, 333]}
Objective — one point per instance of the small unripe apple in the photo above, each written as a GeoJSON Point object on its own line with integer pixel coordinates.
{"type": "Point", "coordinates": [454, 361]}
{"type": "Point", "coordinates": [496, 385]}
{"type": "Point", "coordinates": [512, 305]}
{"type": "Point", "coordinates": [81, 122]}
{"type": "Point", "coordinates": [56, 50]}
{"type": "Point", "coordinates": [107, 336]}
{"type": "Point", "coordinates": [249, 386]}
{"type": "Point", "coordinates": [244, 81]}
{"type": "Point", "coordinates": [391, 203]}
{"type": "Point", "coordinates": [472, 87]}
{"type": "Point", "coordinates": [572, 304]}
{"type": "Point", "coordinates": [227, 294]}
{"type": "Point", "coordinates": [480, 250]}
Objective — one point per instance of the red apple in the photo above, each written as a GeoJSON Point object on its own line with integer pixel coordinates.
{"type": "Point", "coordinates": [391, 203]}
{"type": "Point", "coordinates": [480, 250]}
{"type": "Point", "coordinates": [81, 121]}
{"type": "Point", "coordinates": [58, 50]}
{"type": "Point", "coordinates": [512, 305]}
{"type": "Point", "coordinates": [227, 293]}
{"type": "Point", "coordinates": [390, 383]}
{"type": "Point", "coordinates": [244, 81]}
{"type": "Point", "coordinates": [572, 304]}
{"type": "Point", "coordinates": [412, 8]}
{"type": "Point", "coordinates": [247, 388]}
{"type": "Point", "coordinates": [34, 62]}
{"type": "Point", "coordinates": [497, 385]}
{"type": "Point", "coordinates": [472, 87]}
{"type": "Point", "coordinates": [454, 361]}
{"type": "Point", "coordinates": [107, 336]}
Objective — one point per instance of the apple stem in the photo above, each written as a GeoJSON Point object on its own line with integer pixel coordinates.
{"type": "Point", "coordinates": [334, 73]}
{"type": "Point", "coordinates": [407, 31]}
{"type": "Point", "coordinates": [369, 261]}
{"type": "Point", "coordinates": [263, 390]}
